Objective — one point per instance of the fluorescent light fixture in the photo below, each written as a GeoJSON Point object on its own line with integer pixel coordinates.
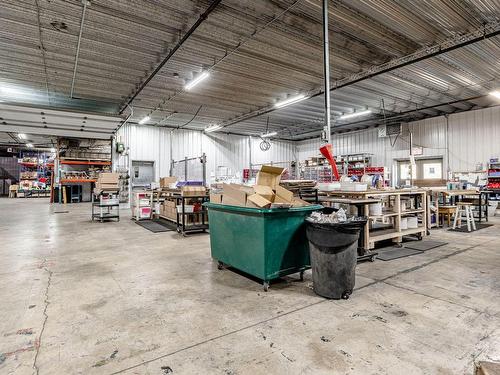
{"type": "Point", "coordinates": [292, 100]}
{"type": "Point", "coordinates": [355, 114]}
{"type": "Point", "coordinates": [496, 94]}
{"type": "Point", "coordinates": [213, 128]}
{"type": "Point", "coordinates": [52, 149]}
{"type": "Point", "coordinates": [30, 145]}
{"type": "Point", "coordinates": [269, 135]}
{"type": "Point", "coordinates": [22, 136]}
{"type": "Point", "coordinates": [197, 80]}
{"type": "Point", "coordinates": [144, 120]}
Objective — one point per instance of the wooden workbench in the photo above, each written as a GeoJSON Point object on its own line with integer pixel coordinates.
{"type": "Point", "coordinates": [391, 214]}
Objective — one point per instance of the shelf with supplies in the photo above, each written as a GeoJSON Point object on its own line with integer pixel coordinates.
{"type": "Point", "coordinates": [395, 213]}
{"type": "Point", "coordinates": [184, 207]}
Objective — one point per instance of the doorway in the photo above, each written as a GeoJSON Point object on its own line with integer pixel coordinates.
{"type": "Point", "coordinates": [143, 173]}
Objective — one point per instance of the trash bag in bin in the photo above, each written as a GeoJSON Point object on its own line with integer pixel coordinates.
{"type": "Point", "coordinates": [333, 248]}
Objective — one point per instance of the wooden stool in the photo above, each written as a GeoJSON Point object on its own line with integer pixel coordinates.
{"type": "Point", "coordinates": [467, 208]}
{"type": "Point", "coordinates": [447, 211]}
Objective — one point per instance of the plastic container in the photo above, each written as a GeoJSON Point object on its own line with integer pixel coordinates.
{"type": "Point", "coordinates": [334, 257]}
{"type": "Point", "coordinates": [375, 209]}
{"type": "Point", "coordinates": [412, 222]}
{"type": "Point", "coordinates": [265, 243]}
{"type": "Point", "coordinates": [188, 208]}
{"type": "Point", "coordinates": [403, 224]}
{"type": "Point", "coordinates": [328, 186]}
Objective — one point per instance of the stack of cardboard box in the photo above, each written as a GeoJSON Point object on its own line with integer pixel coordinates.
{"type": "Point", "coordinates": [168, 209]}
{"type": "Point", "coordinates": [266, 193]}
{"type": "Point", "coordinates": [107, 183]}
{"type": "Point", "coordinates": [193, 191]}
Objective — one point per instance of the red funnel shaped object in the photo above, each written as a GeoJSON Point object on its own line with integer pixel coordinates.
{"type": "Point", "coordinates": [327, 152]}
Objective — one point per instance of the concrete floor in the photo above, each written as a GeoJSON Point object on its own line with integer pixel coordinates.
{"type": "Point", "coordinates": [87, 298]}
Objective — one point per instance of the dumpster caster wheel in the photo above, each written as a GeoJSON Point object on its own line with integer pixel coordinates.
{"type": "Point", "coordinates": [265, 286]}
{"type": "Point", "coordinates": [345, 295]}
{"type": "Point", "coordinates": [220, 265]}
{"type": "Point", "coordinates": [372, 258]}
{"type": "Point", "coordinates": [419, 237]}
{"type": "Point", "coordinates": [301, 275]}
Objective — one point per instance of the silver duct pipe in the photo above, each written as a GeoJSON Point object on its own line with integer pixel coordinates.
{"type": "Point", "coordinates": [85, 2]}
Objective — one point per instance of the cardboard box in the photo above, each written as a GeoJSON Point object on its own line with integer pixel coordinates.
{"type": "Point", "coordinates": [269, 176]}
{"type": "Point", "coordinates": [215, 198]}
{"type": "Point", "coordinates": [108, 178]}
{"type": "Point", "coordinates": [283, 195]}
{"type": "Point", "coordinates": [191, 191]}
{"type": "Point", "coordinates": [234, 195]}
{"type": "Point", "coordinates": [167, 182]}
{"type": "Point", "coordinates": [171, 204]}
{"type": "Point", "coordinates": [264, 191]}
{"type": "Point", "coordinates": [259, 201]}
{"type": "Point", "coordinates": [299, 203]}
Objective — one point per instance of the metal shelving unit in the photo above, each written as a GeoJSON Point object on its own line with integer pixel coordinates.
{"type": "Point", "coordinates": [182, 225]}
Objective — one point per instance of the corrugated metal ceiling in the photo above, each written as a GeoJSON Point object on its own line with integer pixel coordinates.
{"type": "Point", "coordinates": [273, 50]}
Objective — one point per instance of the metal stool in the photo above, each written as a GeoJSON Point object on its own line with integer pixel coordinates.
{"type": "Point", "coordinates": [467, 208]}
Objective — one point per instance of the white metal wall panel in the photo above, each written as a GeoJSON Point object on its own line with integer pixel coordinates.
{"type": "Point", "coordinates": [279, 152]}
{"type": "Point", "coordinates": [473, 137]}
{"type": "Point", "coordinates": [222, 150]}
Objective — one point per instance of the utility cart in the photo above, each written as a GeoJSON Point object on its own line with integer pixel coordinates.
{"type": "Point", "coordinates": [265, 243]}
{"type": "Point", "coordinates": [105, 207]}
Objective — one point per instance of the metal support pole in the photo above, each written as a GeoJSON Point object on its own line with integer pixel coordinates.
{"type": "Point", "coordinates": [326, 68]}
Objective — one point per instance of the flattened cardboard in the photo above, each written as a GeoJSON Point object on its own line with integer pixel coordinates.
{"type": "Point", "coordinates": [264, 191]}
{"type": "Point", "coordinates": [259, 201]}
{"type": "Point", "coordinates": [233, 196]}
{"type": "Point", "coordinates": [283, 194]}
{"type": "Point", "coordinates": [269, 176]}
{"type": "Point", "coordinates": [299, 203]}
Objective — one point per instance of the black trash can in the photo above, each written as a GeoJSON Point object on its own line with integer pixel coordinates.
{"type": "Point", "coordinates": [333, 248]}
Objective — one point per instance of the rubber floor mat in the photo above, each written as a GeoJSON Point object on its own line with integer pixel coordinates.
{"type": "Point", "coordinates": [154, 226]}
{"type": "Point", "coordinates": [424, 245]}
{"type": "Point", "coordinates": [396, 253]}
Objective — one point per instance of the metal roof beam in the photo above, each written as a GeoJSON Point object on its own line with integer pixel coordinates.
{"type": "Point", "coordinates": [488, 31]}
{"type": "Point", "coordinates": [186, 36]}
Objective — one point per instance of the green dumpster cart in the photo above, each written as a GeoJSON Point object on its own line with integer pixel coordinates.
{"type": "Point", "coordinates": [265, 243]}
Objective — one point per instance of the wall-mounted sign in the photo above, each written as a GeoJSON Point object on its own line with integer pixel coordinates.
{"type": "Point", "coordinates": [417, 150]}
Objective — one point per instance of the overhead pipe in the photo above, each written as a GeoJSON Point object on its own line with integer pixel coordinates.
{"type": "Point", "coordinates": [186, 36]}
{"type": "Point", "coordinates": [85, 2]}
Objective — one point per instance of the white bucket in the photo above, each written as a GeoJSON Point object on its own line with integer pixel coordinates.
{"type": "Point", "coordinates": [492, 208]}
{"type": "Point", "coordinates": [375, 209]}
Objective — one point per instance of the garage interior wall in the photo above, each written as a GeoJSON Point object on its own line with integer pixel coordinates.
{"type": "Point", "coordinates": [161, 145]}
{"type": "Point", "coordinates": [472, 137]}
{"type": "Point", "coordinates": [461, 133]}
